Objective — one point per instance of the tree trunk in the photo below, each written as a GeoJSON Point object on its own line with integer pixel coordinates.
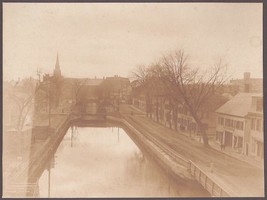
{"type": "Point", "coordinates": [175, 118]}
{"type": "Point", "coordinates": [206, 140]}
{"type": "Point", "coordinates": [157, 110]}
{"type": "Point", "coordinates": [147, 106]}
{"type": "Point", "coordinates": [19, 119]}
{"type": "Point", "coordinates": [150, 109]}
{"type": "Point", "coordinates": [202, 131]}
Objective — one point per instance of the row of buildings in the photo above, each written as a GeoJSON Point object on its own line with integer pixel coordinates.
{"type": "Point", "coordinates": [89, 95]}
{"type": "Point", "coordinates": [234, 118]}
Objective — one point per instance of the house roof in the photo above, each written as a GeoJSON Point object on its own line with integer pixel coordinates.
{"type": "Point", "coordinates": [239, 105]}
{"type": "Point", "coordinates": [214, 102]}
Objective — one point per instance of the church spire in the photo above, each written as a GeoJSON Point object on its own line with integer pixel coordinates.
{"type": "Point", "coordinates": [57, 63]}
{"type": "Point", "coordinates": [57, 71]}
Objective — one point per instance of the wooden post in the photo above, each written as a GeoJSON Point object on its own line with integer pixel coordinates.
{"type": "Point", "coordinates": [49, 182]}
{"type": "Point", "coordinates": [212, 187]}
{"type": "Point", "coordinates": [118, 135]}
{"type": "Point", "coordinates": [205, 182]}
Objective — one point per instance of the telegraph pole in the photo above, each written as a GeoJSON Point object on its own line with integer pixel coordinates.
{"type": "Point", "coordinates": [49, 104]}
{"type": "Point", "coordinates": [118, 135]}
{"type": "Point", "coordinates": [49, 173]}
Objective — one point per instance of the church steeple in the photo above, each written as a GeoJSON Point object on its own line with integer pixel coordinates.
{"type": "Point", "coordinates": [57, 71]}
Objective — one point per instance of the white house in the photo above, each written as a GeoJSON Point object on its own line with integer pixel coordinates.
{"type": "Point", "coordinates": [240, 125]}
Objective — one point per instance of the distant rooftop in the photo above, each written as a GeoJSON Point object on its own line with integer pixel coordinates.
{"type": "Point", "coordinates": [93, 81]}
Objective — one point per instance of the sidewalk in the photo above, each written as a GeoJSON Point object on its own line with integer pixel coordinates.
{"type": "Point", "coordinates": [259, 163]}
{"type": "Point", "coordinates": [231, 152]}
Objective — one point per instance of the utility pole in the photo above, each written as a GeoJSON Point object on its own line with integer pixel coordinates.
{"type": "Point", "coordinates": [49, 173]}
{"type": "Point", "coordinates": [71, 140]}
{"type": "Point", "coordinates": [49, 104]}
{"type": "Point", "coordinates": [118, 135]}
{"type": "Point", "coordinates": [38, 72]}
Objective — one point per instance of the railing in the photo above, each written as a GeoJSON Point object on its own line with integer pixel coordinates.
{"type": "Point", "coordinates": [212, 186]}
{"type": "Point", "coordinates": [21, 189]}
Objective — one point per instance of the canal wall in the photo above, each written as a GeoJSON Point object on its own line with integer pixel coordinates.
{"type": "Point", "coordinates": [180, 169]}
{"type": "Point", "coordinates": [39, 159]}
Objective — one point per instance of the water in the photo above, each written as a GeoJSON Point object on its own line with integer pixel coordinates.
{"type": "Point", "coordinates": [105, 162]}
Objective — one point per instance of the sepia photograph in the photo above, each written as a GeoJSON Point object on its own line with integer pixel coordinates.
{"type": "Point", "coordinates": [118, 100]}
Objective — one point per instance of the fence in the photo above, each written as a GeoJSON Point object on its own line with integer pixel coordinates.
{"type": "Point", "coordinates": [212, 186]}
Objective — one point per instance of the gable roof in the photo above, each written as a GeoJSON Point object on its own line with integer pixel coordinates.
{"type": "Point", "coordinates": [239, 105]}
{"type": "Point", "coordinates": [214, 102]}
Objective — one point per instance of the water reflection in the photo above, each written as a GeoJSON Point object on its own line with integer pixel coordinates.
{"type": "Point", "coordinates": [105, 162]}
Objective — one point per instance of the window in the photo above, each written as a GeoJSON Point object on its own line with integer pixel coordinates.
{"type": "Point", "coordinates": [259, 105]}
{"type": "Point", "coordinates": [241, 126]}
{"type": "Point", "coordinates": [221, 121]}
{"type": "Point", "coordinates": [238, 125]}
{"type": "Point", "coordinates": [259, 125]}
{"type": "Point", "coordinates": [253, 148]}
{"type": "Point", "coordinates": [227, 122]}
{"type": "Point", "coordinates": [231, 123]}
{"type": "Point", "coordinates": [253, 124]}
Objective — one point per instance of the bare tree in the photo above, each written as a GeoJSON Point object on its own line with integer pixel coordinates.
{"type": "Point", "coordinates": [192, 86]}
{"type": "Point", "coordinates": [150, 85]}
{"type": "Point", "coordinates": [23, 95]}
{"type": "Point", "coordinates": [77, 87]}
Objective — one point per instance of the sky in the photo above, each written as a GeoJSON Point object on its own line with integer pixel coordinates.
{"type": "Point", "coordinates": [106, 39]}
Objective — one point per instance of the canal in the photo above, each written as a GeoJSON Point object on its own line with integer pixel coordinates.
{"type": "Point", "coordinates": [105, 162]}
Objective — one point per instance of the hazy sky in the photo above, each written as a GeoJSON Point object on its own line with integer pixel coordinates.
{"type": "Point", "coordinates": [107, 39]}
